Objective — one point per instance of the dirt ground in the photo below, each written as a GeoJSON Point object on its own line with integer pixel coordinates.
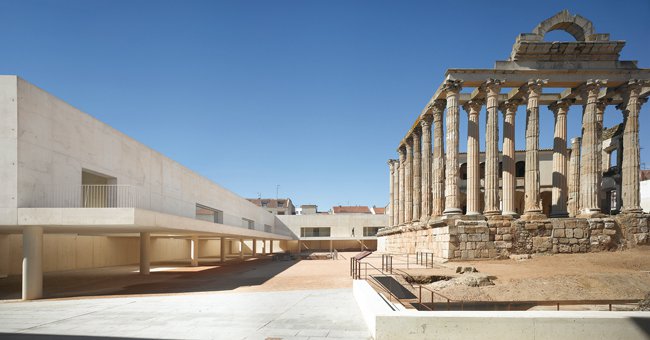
{"type": "Point", "coordinates": [604, 276]}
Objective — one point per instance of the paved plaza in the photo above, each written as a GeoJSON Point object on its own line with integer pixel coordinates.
{"type": "Point", "coordinates": [255, 299]}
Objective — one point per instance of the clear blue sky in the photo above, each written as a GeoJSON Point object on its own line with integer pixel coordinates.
{"type": "Point", "coordinates": [310, 95]}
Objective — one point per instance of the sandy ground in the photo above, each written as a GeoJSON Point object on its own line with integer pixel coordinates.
{"type": "Point", "coordinates": [607, 275]}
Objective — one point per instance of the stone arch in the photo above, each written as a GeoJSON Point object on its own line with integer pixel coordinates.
{"type": "Point", "coordinates": [579, 27]}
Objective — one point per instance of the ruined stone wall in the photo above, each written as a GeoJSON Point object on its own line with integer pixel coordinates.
{"type": "Point", "coordinates": [502, 236]}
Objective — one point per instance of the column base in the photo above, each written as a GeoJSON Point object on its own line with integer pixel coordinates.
{"type": "Point", "coordinates": [452, 211]}
{"type": "Point", "coordinates": [590, 213]}
{"type": "Point", "coordinates": [533, 215]}
{"type": "Point", "coordinates": [492, 212]}
{"type": "Point", "coordinates": [512, 214]}
{"type": "Point", "coordinates": [637, 210]}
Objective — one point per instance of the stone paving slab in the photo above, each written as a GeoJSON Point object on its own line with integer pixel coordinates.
{"type": "Point", "coordinates": [303, 314]}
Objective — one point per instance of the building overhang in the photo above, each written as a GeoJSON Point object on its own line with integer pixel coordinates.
{"type": "Point", "coordinates": [126, 221]}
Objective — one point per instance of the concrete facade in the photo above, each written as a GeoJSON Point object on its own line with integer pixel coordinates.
{"type": "Point", "coordinates": [64, 172]}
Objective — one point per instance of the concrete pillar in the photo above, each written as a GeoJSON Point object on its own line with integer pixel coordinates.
{"type": "Point", "coordinates": [559, 194]}
{"type": "Point", "coordinates": [509, 180]}
{"type": "Point", "coordinates": [4, 256]}
{"type": "Point", "coordinates": [452, 191]}
{"type": "Point", "coordinates": [631, 156]}
{"type": "Point", "coordinates": [254, 248]}
{"type": "Point", "coordinates": [194, 250]}
{"type": "Point", "coordinates": [532, 201]}
{"type": "Point", "coordinates": [417, 176]}
{"type": "Point", "coordinates": [396, 197]}
{"type": "Point", "coordinates": [473, 109]}
{"type": "Point", "coordinates": [492, 203]}
{"type": "Point", "coordinates": [438, 162]}
{"type": "Point", "coordinates": [145, 253]}
{"type": "Point", "coordinates": [241, 249]}
{"type": "Point", "coordinates": [425, 125]}
{"type": "Point", "coordinates": [589, 162]}
{"type": "Point", "coordinates": [331, 246]}
{"type": "Point", "coordinates": [271, 246]}
{"type": "Point", "coordinates": [222, 250]}
{"type": "Point", "coordinates": [391, 191]}
{"type": "Point", "coordinates": [32, 263]}
{"type": "Point", "coordinates": [263, 247]}
{"type": "Point", "coordinates": [402, 184]}
{"type": "Point", "coordinates": [574, 178]}
{"type": "Point", "coordinates": [408, 181]}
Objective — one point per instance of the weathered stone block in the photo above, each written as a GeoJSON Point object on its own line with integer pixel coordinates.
{"type": "Point", "coordinates": [558, 233]}
{"type": "Point", "coordinates": [564, 240]}
{"type": "Point", "coordinates": [507, 237]}
{"type": "Point", "coordinates": [541, 244]}
{"type": "Point", "coordinates": [568, 233]}
{"type": "Point", "coordinates": [609, 232]}
{"type": "Point", "coordinates": [578, 233]}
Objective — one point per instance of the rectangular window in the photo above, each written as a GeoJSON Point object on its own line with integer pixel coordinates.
{"type": "Point", "coordinates": [246, 223]}
{"type": "Point", "coordinates": [315, 232]}
{"type": "Point", "coordinates": [208, 214]}
{"type": "Point", "coordinates": [370, 231]}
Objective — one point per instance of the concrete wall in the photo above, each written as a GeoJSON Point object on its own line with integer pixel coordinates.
{"type": "Point", "coordinates": [71, 251]}
{"type": "Point", "coordinates": [340, 225]}
{"type": "Point", "coordinates": [645, 196]}
{"type": "Point", "coordinates": [552, 325]}
{"type": "Point", "coordinates": [55, 141]}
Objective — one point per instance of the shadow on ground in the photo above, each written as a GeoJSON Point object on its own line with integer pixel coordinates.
{"type": "Point", "coordinates": [125, 280]}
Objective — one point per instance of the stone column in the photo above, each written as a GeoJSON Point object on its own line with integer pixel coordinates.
{"type": "Point", "coordinates": [492, 206]}
{"type": "Point", "coordinates": [573, 205]}
{"type": "Point", "coordinates": [425, 124]}
{"type": "Point", "coordinates": [452, 191]}
{"type": "Point", "coordinates": [559, 194]}
{"type": "Point", "coordinates": [574, 178]}
{"type": "Point", "coordinates": [509, 109]}
{"type": "Point", "coordinates": [438, 162]}
{"type": "Point", "coordinates": [408, 181]}
{"type": "Point", "coordinates": [589, 162]}
{"type": "Point", "coordinates": [473, 109]}
{"type": "Point", "coordinates": [402, 184]}
{"type": "Point", "coordinates": [532, 194]}
{"type": "Point", "coordinates": [631, 155]}
{"type": "Point", "coordinates": [32, 287]}
{"type": "Point", "coordinates": [417, 176]}
{"type": "Point", "coordinates": [391, 192]}
{"type": "Point", "coordinates": [145, 253]}
{"type": "Point", "coordinates": [396, 197]}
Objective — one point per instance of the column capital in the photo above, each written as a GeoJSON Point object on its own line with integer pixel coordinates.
{"type": "Point", "coordinates": [592, 87]}
{"type": "Point", "coordinates": [492, 86]}
{"type": "Point", "coordinates": [425, 122]}
{"type": "Point", "coordinates": [576, 140]}
{"type": "Point", "coordinates": [510, 106]}
{"type": "Point", "coordinates": [561, 106]}
{"type": "Point", "coordinates": [437, 107]}
{"type": "Point", "coordinates": [473, 107]}
{"type": "Point", "coordinates": [534, 86]}
{"type": "Point", "coordinates": [402, 153]}
{"type": "Point", "coordinates": [392, 163]}
{"type": "Point", "coordinates": [453, 86]}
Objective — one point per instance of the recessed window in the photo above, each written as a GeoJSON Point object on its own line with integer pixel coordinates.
{"type": "Point", "coordinates": [208, 214]}
{"type": "Point", "coordinates": [315, 232]}
{"type": "Point", "coordinates": [246, 223]}
{"type": "Point", "coordinates": [370, 231]}
{"type": "Point", "coordinates": [268, 228]}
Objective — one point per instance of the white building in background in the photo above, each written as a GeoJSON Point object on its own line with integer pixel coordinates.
{"type": "Point", "coordinates": [76, 193]}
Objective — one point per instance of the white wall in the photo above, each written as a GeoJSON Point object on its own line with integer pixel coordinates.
{"type": "Point", "coordinates": [645, 196]}
{"type": "Point", "coordinates": [8, 149]}
{"type": "Point", "coordinates": [56, 141]}
{"type": "Point", "coordinates": [341, 225]}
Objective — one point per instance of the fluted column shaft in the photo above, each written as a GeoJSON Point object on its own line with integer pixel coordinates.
{"type": "Point", "coordinates": [452, 191]}
{"type": "Point", "coordinates": [493, 87]}
{"type": "Point", "coordinates": [396, 192]}
{"type": "Point", "coordinates": [417, 175]}
{"type": "Point", "coordinates": [532, 192]}
{"type": "Point", "coordinates": [559, 193]}
{"type": "Point", "coordinates": [589, 162]}
{"type": "Point", "coordinates": [631, 155]}
{"type": "Point", "coordinates": [408, 184]}
{"type": "Point", "coordinates": [391, 192]}
{"type": "Point", "coordinates": [509, 161]}
{"type": "Point", "coordinates": [402, 182]}
{"type": "Point", "coordinates": [574, 178]}
{"type": "Point", "coordinates": [473, 109]}
{"type": "Point", "coordinates": [438, 162]}
{"type": "Point", "coordinates": [425, 125]}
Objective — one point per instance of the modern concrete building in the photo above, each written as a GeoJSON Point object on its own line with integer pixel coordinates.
{"type": "Point", "coordinates": [76, 193]}
{"type": "Point", "coordinates": [280, 206]}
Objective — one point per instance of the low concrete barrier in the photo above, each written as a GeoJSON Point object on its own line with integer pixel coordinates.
{"type": "Point", "coordinates": [552, 325]}
{"type": "Point", "coordinates": [370, 303]}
